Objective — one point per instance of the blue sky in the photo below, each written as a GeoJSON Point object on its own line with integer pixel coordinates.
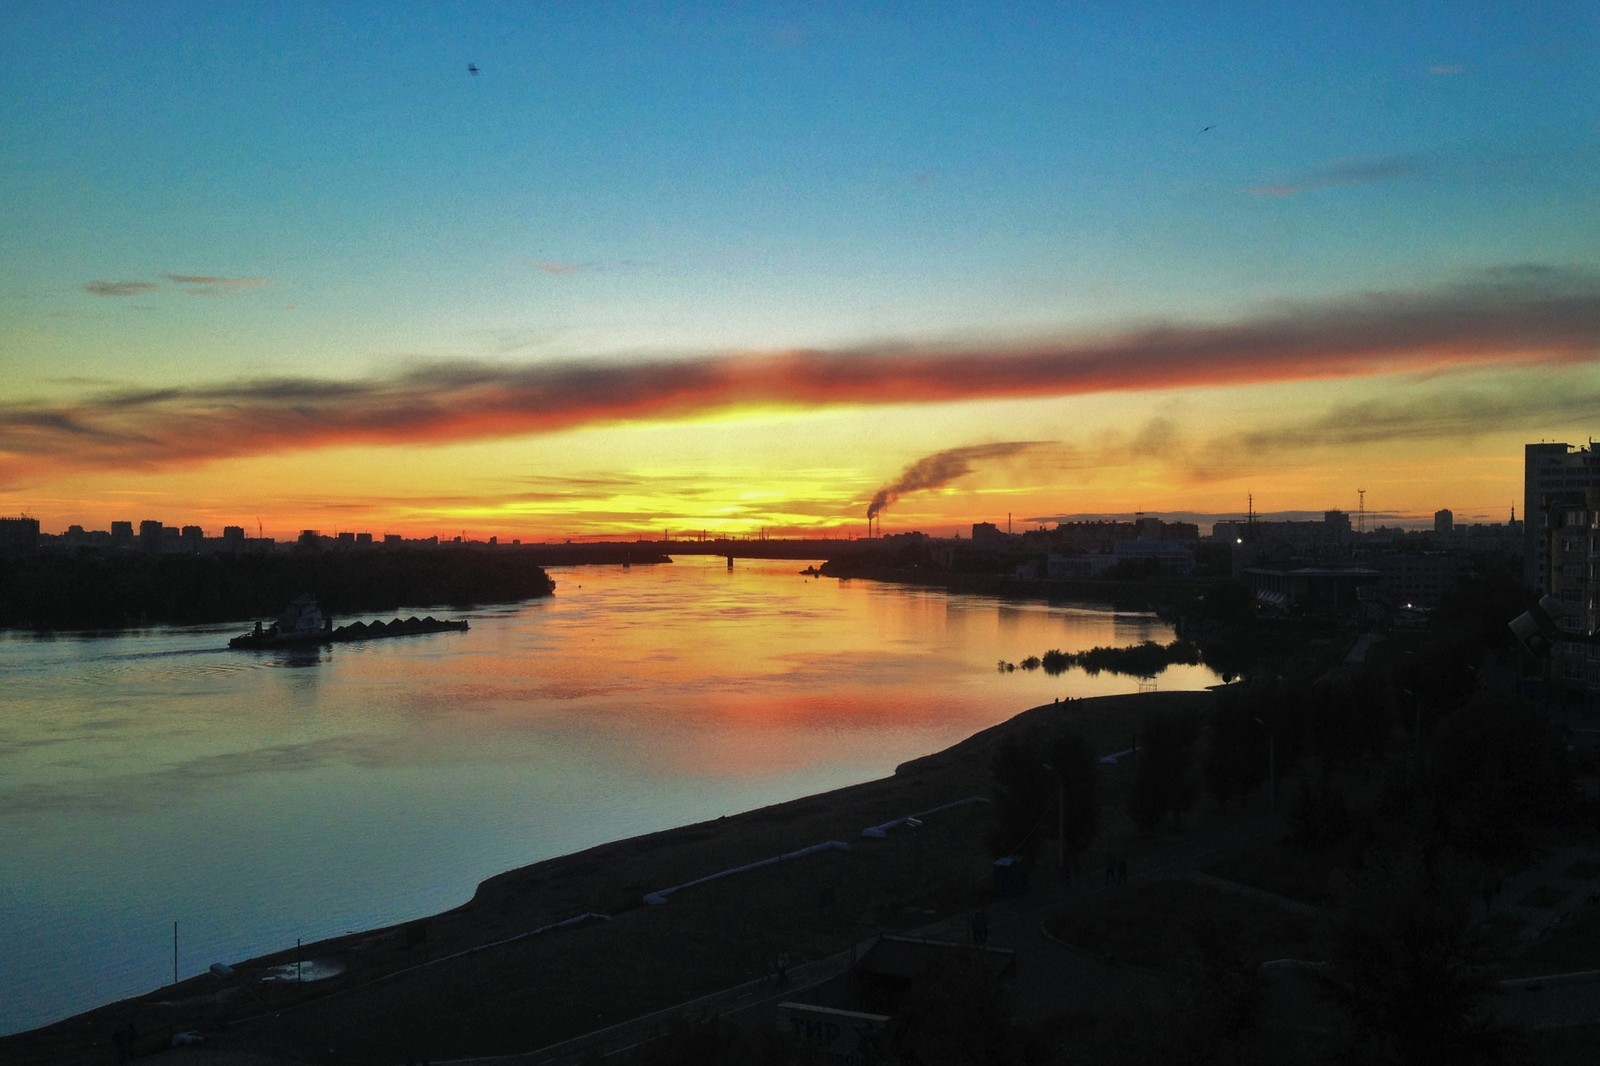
{"type": "Point", "coordinates": [675, 180]}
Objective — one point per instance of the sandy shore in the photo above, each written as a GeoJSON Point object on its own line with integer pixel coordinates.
{"type": "Point", "coordinates": [502, 973]}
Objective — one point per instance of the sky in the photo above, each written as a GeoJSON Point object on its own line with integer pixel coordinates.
{"type": "Point", "coordinates": [740, 268]}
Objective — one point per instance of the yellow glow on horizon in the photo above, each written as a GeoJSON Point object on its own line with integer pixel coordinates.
{"type": "Point", "coordinates": [1297, 446]}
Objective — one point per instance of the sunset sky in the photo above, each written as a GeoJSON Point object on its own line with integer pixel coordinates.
{"type": "Point", "coordinates": [753, 266]}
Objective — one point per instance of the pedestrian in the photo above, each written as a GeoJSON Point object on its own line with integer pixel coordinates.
{"type": "Point", "coordinates": [1111, 872]}
{"type": "Point", "coordinates": [1122, 871]}
{"type": "Point", "coordinates": [783, 969]}
{"type": "Point", "coordinates": [980, 927]}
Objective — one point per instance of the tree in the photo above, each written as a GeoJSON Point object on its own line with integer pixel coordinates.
{"type": "Point", "coordinates": [1077, 771]}
{"type": "Point", "coordinates": [1498, 769]}
{"type": "Point", "coordinates": [1041, 790]}
{"type": "Point", "coordinates": [1230, 603]}
{"type": "Point", "coordinates": [1235, 760]}
{"type": "Point", "coordinates": [1165, 782]}
{"type": "Point", "coordinates": [1400, 966]}
{"type": "Point", "coordinates": [1217, 1013]}
{"type": "Point", "coordinates": [1024, 799]}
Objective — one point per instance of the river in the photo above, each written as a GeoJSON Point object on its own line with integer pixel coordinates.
{"type": "Point", "coordinates": [154, 779]}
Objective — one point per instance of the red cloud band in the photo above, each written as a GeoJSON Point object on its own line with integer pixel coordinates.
{"type": "Point", "coordinates": [1528, 317]}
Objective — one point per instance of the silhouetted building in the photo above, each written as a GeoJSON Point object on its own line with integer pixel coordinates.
{"type": "Point", "coordinates": [1078, 567]}
{"type": "Point", "coordinates": [1443, 523]}
{"type": "Point", "coordinates": [1161, 556]}
{"type": "Point", "coordinates": [1330, 591]}
{"type": "Point", "coordinates": [1415, 578]}
{"type": "Point", "coordinates": [194, 539]}
{"type": "Point", "coordinates": [150, 535]}
{"type": "Point", "coordinates": [20, 534]}
{"type": "Point", "coordinates": [1554, 480]}
{"type": "Point", "coordinates": [1572, 548]}
{"type": "Point", "coordinates": [122, 534]}
{"type": "Point", "coordinates": [987, 533]}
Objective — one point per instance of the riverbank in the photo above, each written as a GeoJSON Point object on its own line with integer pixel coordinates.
{"type": "Point", "coordinates": [1155, 594]}
{"type": "Point", "coordinates": [110, 590]}
{"type": "Point", "coordinates": [504, 973]}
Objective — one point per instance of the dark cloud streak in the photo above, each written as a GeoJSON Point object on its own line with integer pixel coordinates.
{"type": "Point", "coordinates": [1521, 317]}
{"type": "Point", "coordinates": [1346, 172]}
{"type": "Point", "coordinates": [119, 288]}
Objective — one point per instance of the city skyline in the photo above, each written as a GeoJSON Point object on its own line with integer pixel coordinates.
{"type": "Point", "coordinates": [771, 268]}
{"type": "Point", "coordinates": [135, 530]}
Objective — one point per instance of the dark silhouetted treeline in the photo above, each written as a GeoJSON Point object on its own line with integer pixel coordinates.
{"type": "Point", "coordinates": [99, 591]}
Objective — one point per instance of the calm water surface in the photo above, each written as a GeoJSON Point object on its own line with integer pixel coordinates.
{"type": "Point", "coordinates": [259, 797]}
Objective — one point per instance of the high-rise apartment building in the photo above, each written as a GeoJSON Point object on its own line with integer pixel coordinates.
{"type": "Point", "coordinates": [1561, 554]}
{"type": "Point", "coordinates": [1554, 480]}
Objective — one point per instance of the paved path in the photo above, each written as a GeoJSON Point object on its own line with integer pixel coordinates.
{"type": "Point", "coordinates": [1545, 896]}
{"type": "Point", "coordinates": [1237, 888]}
{"type": "Point", "coordinates": [1051, 975]}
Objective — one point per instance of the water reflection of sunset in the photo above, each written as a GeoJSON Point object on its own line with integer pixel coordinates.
{"type": "Point", "coordinates": [364, 783]}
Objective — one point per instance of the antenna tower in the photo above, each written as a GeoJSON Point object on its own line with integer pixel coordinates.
{"type": "Point", "coordinates": [1361, 519]}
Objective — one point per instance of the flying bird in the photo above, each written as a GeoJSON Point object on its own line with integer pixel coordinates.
{"type": "Point", "coordinates": [472, 68]}
{"type": "Point", "coordinates": [1207, 129]}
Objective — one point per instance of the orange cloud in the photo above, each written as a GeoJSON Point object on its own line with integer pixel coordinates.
{"type": "Point", "coordinates": [1521, 317]}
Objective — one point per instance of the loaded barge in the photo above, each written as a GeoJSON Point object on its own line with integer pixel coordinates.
{"type": "Point", "coordinates": [303, 623]}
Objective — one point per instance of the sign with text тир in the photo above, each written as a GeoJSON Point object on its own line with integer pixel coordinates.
{"type": "Point", "coordinates": [835, 1037]}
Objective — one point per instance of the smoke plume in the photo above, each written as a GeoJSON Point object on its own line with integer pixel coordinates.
{"type": "Point", "coordinates": [939, 469]}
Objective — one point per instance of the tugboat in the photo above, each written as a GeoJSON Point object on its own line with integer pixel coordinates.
{"type": "Point", "coordinates": [300, 623]}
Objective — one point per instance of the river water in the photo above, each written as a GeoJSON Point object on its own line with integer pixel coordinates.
{"type": "Point", "coordinates": [253, 798]}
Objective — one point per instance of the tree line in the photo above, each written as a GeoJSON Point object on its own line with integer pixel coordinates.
{"type": "Point", "coordinates": [93, 590]}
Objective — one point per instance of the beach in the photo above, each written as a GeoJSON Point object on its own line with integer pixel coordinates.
{"type": "Point", "coordinates": [565, 946]}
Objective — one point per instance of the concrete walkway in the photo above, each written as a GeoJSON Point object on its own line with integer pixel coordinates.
{"type": "Point", "coordinates": [1273, 899]}
{"type": "Point", "coordinates": [1053, 976]}
{"type": "Point", "coordinates": [1548, 893]}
